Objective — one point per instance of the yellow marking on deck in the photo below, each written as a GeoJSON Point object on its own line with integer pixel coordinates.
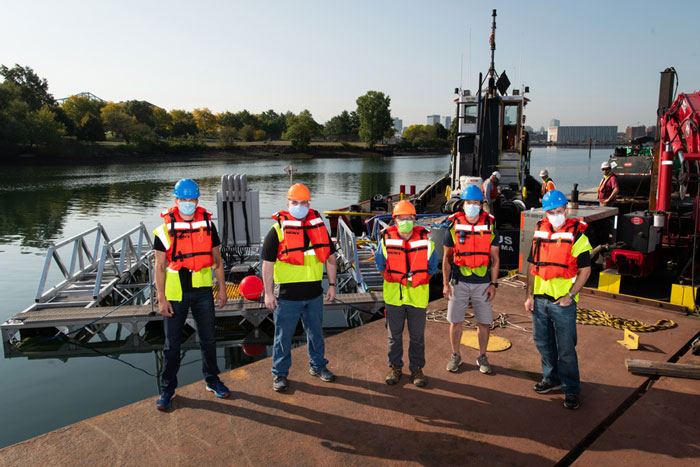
{"type": "Point", "coordinates": [496, 343]}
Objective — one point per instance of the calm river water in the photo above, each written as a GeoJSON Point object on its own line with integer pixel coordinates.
{"type": "Point", "coordinates": [49, 203]}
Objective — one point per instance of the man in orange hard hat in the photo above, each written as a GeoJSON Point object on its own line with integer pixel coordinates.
{"type": "Point", "coordinates": [406, 259]}
{"type": "Point", "coordinates": [294, 252]}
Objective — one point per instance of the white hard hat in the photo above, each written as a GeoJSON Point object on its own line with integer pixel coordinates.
{"type": "Point", "coordinates": [544, 173]}
{"type": "Point", "coordinates": [605, 165]}
{"type": "Point", "coordinates": [496, 174]}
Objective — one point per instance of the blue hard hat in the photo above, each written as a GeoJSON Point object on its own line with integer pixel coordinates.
{"type": "Point", "coordinates": [472, 193]}
{"type": "Point", "coordinates": [186, 189]}
{"type": "Point", "coordinates": [553, 199]}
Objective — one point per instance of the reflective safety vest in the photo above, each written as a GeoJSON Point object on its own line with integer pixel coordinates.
{"type": "Point", "coordinates": [407, 260]}
{"type": "Point", "coordinates": [551, 250]}
{"type": "Point", "coordinates": [548, 185]}
{"type": "Point", "coordinates": [292, 248]}
{"type": "Point", "coordinates": [472, 242]}
{"type": "Point", "coordinates": [188, 245]}
{"type": "Point", "coordinates": [297, 262]}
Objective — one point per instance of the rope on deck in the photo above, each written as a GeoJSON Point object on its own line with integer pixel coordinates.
{"type": "Point", "coordinates": [601, 318]}
{"type": "Point", "coordinates": [501, 321]}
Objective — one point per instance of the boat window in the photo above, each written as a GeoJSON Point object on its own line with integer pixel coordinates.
{"type": "Point", "coordinates": [468, 114]}
{"type": "Point", "coordinates": [511, 116]}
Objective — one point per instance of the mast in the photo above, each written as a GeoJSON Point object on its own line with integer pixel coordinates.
{"type": "Point", "coordinates": [492, 69]}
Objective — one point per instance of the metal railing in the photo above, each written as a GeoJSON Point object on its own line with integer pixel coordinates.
{"type": "Point", "coordinates": [83, 260]}
{"type": "Point", "coordinates": [122, 255]}
{"type": "Point", "coordinates": [348, 251]}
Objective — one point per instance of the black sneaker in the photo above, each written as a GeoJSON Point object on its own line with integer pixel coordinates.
{"type": "Point", "coordinates": [325, 375]}
{"type": "Point", "coordinates": [279, 383]}
{"type": "Point", "coordinates": [571, 402]}
{"type": "Point", "coordinates": [543, 387]}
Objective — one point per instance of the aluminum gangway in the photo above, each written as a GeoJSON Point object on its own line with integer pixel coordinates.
{"type": "Point", "coordinates": [94, 270]}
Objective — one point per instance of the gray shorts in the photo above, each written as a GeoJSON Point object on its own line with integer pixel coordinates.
{"type": "Point", "coordinates": [462, 292]}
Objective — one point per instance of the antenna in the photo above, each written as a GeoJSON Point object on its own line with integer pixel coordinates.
{"type": "Point", "coordinates": [461, 69]}
{"type": "Point", "coordinates": [469, 67]}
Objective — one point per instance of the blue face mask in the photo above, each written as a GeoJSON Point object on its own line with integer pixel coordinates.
{"type": "Point", "coordinates": [299, 211]}
{"type": "Point", "coordinates": [187, 207]}
{"type": "Point", "coordinates": [472, 210]}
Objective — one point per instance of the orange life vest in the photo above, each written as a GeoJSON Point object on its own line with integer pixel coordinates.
{"type": "Point", "coordinates": [297, 235]}
{"type": "Point", "coordinates": [472, 242]}
{"type": "Point", "coordinates": [406, 258]}
{"type": "Point", "coordinates": [190, 241]}
{"type": "Point", "coordinates": [605, 189]}
{"type": "Point", "coordinates": [548, 185]}
{"type": "Point", "coordinates": [551, 250]}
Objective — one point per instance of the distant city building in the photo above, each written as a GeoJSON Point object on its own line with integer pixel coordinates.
{"type": "Point", "coordinates": [582, 134]}
{"type": "Point", "coordinates": [651, 131]}
{"type": "Point", "coordinates": [398, 126]}
{"type": "Point", "coordinates": [634, 132]}
{"type": "Point", "coordinates": [542, 130]}
{"type": "Point", "coordinates": [554, 122]}
{"type": "Point", "coordinates": [433, 119]}
{"type": "Point", "coordinates": [447, 121]}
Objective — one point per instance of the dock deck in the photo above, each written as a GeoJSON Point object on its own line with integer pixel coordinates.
{"type": "Point", "coordinates": [459, 418]}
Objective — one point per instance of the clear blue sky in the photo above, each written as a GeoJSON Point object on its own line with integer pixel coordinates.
{"type": "Point", "coordinates": [592, 62]}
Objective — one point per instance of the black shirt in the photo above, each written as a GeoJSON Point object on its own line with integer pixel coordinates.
{"type": "Point", "coordinates": [186, 274]}
{"type": "Point", "coordinates": [294, 290]}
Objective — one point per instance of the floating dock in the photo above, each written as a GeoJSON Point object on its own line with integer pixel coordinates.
{"type": "Point", "coordinates": [459, 418]}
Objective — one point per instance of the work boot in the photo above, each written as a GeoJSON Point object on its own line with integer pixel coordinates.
{"type": "Point", "coordinates": [453, 364]}
{"type": "Point", "coordinates": [483, 363]}
{"type": "Point", "coordinates": [393, 376]}
{"type": "Point", "coordinates": [418, 378]}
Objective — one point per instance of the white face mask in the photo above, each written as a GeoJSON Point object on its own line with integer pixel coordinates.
{"type": "Point", "coordinates": [556, 219]}
{"type": "Point", "coordinates": [472, 210]}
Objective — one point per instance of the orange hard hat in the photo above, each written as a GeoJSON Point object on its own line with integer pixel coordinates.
{"type": "Point", "coordinates": [299, 192]}
{"type": "Point", "coordinates": [404, 208]}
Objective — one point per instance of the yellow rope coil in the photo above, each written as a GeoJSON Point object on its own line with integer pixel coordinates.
{"type": "Point", "coordinates": [601, 318]}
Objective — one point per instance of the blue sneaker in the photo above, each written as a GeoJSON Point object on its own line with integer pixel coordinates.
{"type": "Point", "coordinates": [165, 400]}
{"type": "Point", "coordinates": [219, 389]}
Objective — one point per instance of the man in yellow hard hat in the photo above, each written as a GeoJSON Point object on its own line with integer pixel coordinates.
{"type": "Point", "coordinates": [293, 254]}
{"type": "Point", "coordinates": [406, 259]}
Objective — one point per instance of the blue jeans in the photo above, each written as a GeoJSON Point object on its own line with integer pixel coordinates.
{"type": "Point", "coordinates": [201, 302]}
{"type": "Point", "coordinates": [287, 316]}
{"type": "Point", "coordinates": [554, 333]}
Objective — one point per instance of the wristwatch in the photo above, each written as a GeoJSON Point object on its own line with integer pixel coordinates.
{"type": "Point", "coordinates": [573, 297]}
{"type": "Point", "coordinates": [495, 284]}
{"type": "Point", "coordinates": [331, 284]}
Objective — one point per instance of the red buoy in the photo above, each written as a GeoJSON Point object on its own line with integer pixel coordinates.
{"type": "Point", "coordinates": [251, 287]}
{"type": "Point", "coordinates": [253, 350]}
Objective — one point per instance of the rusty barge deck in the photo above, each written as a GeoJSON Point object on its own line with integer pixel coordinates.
{"type": "Point", "coordinates": [458, 419]}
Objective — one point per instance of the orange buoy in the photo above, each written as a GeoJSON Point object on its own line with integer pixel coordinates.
{"type": "Point", "coordinates": [251, 287]}
{"type": "Point", "coordinates": [253, 350]}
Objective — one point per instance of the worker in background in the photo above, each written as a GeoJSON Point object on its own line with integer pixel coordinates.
{"type": "Point", "coordinates": [608, 187]}
{"type": "Point", "coordinates": [560, 265]}
{"type": "Point", "coordinates": [471, 245]}
{"type": "Point", "coordinates": [187, 249]}
{"type": "Point", "coordinates": [406, 259]}
{"type": "Point", "coordinates": [490, 190]}
{"type": "Point", "coordinates": [294, 252]}
{"type": "Point", "coordinates": [547, 183]}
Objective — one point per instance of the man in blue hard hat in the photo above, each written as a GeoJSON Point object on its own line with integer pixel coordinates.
{"type": "Point", "coordinates": [471, 245]}
{"type": "Point", "coordinates": [560, 265]}
{"type": "Point", "coordinates": [187, 249]}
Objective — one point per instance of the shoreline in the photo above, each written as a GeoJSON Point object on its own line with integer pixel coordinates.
{"type": "Point", "coordinates": [102, 153]}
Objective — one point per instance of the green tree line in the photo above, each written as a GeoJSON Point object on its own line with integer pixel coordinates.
{"type": "Point", "coordinates": [31, 119]}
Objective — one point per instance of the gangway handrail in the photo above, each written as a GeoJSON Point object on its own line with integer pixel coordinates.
{"type": "Point", "coordinates": [80, 253]}
{"type": "Point", "coordinates": [348, 249]}
{"type": "Point", "coordinates": [130, 257]}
